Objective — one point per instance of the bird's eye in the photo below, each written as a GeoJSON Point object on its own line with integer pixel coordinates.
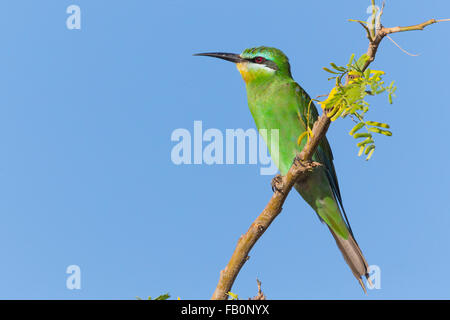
{"type": "Point", "coordinates": [259, 60]}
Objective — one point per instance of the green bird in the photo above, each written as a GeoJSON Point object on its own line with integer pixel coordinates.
{"type": "Point", "coordinates": [277, 102]}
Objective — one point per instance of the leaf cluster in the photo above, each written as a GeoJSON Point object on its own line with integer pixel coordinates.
{"type": "Point", "coordinates": [348, 98]}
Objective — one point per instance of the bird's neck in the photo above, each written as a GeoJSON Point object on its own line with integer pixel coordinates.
{"type": "Point", "coordinates": [262, 86]}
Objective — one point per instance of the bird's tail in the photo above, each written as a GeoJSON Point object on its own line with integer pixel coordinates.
{"type": "Point", "coordinates": [353, 256]}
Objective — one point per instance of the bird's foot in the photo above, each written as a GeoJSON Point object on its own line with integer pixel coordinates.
{"type": "Point", "coordinates": [277, 184]}
{"type": "Point", "coordinates": [299, 162]}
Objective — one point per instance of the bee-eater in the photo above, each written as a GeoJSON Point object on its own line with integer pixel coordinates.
{"type": "Point", "coordinates": [277, 102]}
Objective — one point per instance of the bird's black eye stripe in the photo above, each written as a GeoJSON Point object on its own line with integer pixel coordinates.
{"type": "Point", "coordinates": [264, 61]}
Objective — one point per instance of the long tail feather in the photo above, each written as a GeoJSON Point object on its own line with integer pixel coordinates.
{"type": "Point", "coordinates": [353, 256]}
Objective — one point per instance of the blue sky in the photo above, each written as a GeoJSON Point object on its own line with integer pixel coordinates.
{"type": "Point", "coordinates": [86, 176]}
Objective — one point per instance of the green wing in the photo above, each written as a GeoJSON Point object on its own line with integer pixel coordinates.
{"type": "Point", "coordinates": [309, 115]}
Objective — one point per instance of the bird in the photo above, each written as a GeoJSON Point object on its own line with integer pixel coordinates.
{"type": "Point", "coordinates": [277, 102]}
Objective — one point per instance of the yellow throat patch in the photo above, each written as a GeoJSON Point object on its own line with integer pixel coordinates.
{"type": "Point", "coordinates": [250, 71]}
{"type": "Point", "coordinates": [245, 73]}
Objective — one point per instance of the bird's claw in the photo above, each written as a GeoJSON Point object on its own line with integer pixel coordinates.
{"type": "Point", "coordinates": [277, 184]}
{"type": "Point", "coordinates": [302, 163]}
{"type": "Point", "coordinates": [298, 162]}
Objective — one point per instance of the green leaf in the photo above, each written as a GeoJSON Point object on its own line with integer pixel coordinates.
{"type": "Point", "coordinates": [361, 149]}
{"type": "Point", "coordinates": [333, 118]}
{"type": "Point", "coordinates": [356, 128]}
{"type": "Point", "coordinates": [377, 124]}
{"type": "Point", "coordinates": [162, 297]}
{"type": "Point", "coordinates": [391, 85]}
{"type": "Point", "coordinates": [353, 93]}
{"type": "Point", "coordinates": [367, 141]}
{"type": "Point", "coordinates": [377, 130]}
{"type": "Point", "coordinates": [362, 61]}
{"type": "Point", "coordinates": [328, 70]}
{"type": "Point", "coordinates": [351, 60]}
{"type": "Point", "coordinates": [342, 69]}
{"type": "Point", "coordinates": [362, 135]}
{"type": "Point", "coordinates": [370, 149]}
{"type": "Point", "coordinates": [379, 91]}
{"type": "Point", "coordinates": [372, 146]}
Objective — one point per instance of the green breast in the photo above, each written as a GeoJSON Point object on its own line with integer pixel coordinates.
{"type": "Point", "coordinates": [275, 106]}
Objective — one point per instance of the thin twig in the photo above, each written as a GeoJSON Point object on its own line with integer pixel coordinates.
{"type": "Point", "coordinates": [363, 24]}
{"type": "Point", "coordinates": [378, 27]}
{"type": "Point", "coordinates": [398, 46]}
{"type": "Point", "coordinates": [372, 28]}
{"type": "Point", "coordinates": [260, 295]}
{"type": "Point", "coordinates": [419, 26]}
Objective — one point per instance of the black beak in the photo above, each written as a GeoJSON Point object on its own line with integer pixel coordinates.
{"type": "Point", "coordinates": [233, 57]}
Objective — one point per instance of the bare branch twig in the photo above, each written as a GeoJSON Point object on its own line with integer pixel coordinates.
{"type": "Point", "coordinates": [363, 24]}
{"type": "Point", "coordinates": [398, 46]}
{"type": "Point", "coordinates": [260, 295]}
{"type": "Point", "coordinates": [419, 26]}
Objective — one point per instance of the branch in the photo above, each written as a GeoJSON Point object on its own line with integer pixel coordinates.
{"type": "Point", "coordinates": [300, 169]}
{"type": "Point", "coordinates": [420, 26]}
{"type": "Point", "coordinates": [383, 32]}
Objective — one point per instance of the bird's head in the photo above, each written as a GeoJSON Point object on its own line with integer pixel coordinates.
{"type": "Point", "coordinates": [257, 63]}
